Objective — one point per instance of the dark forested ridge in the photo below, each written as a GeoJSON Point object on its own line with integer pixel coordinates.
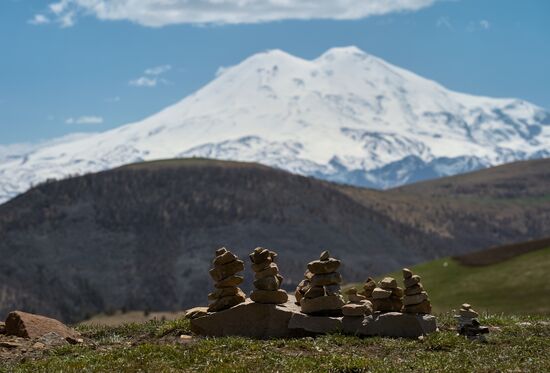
{"type": "Point", "coordinates": [142, 236]}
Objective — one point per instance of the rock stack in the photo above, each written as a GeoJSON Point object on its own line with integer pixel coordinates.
{"type": "Point", "coordinates": [387, 296]}
{"type": "Point", "coordinates": [357, 304]}
{"type": "Point", "coordinates": [468, 324]}
{"type": "Point", "coordinates": [268, 280]}
{"type": "Point", "coordinates": [224, 273]}
{"type": "Point", "coordinates": [368, 288]}
{"type": "Point", "coordinates": [321, 290]}
{"type": "Point", "coordinates": [416, 299]}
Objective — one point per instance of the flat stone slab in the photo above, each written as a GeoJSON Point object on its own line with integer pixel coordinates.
{"type": "Point", "coordinates": [397, 324]}
{"type": "Point", "coordinates": [280, 321]}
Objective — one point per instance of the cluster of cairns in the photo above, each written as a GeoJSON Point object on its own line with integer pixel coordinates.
{"type": "Point", "coordinates": [319, 293]}
{"type": "Point", "coordinates": [267, 278]}
{"type": "Point", "coordinates": [468, 324]}
{"type": "Point", "coordinates": [387, 296]}
{"type": "Point", "coordinates": [227, 293]}
{"type": "Point", "coordinates": [415, 299]}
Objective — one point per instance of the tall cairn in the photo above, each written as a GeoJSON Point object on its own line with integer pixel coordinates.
{"type": "Point", "coordinates": [268, 280]}
{"type": "Point", "coordinates": [321, 295]}
{"type": "Point", "coordinates": [224, 274]}
{"type": "Point", "coordinates": [416, 299]}
{"type": "Point", "coordinates": [387, 296]}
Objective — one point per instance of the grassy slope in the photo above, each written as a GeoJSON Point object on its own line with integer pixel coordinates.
{"type": "Point", "coordinates": [156, 347]}
{"type": "Point", "coordinates": [516, 286]}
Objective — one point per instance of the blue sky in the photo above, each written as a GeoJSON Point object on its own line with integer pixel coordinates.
{"type": "Point", "coordinates": [67, 67]}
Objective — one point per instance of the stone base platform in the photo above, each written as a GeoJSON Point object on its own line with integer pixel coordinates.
{"type": "Point", "coordinates": [278, 321]}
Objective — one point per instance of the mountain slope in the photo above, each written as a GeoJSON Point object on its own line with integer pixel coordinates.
{"type": "Point", "coordinates": [143, 236]}
{"type": "Point", "coordinates": [346, 116]}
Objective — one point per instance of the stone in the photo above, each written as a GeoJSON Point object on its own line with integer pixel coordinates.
{"type": "Point", "coordinates": [325, 255]}
{"type": "Point", "coordinates": [221, 272]}
{"type": "Point", "coordinates": [356, 298]}
{"type": "Point", "coordinates": [27, 325]}
{"type": "Point", "coordinates": [2, 327]}
{"type": "Point", "coordinates": [323, 266]}
{"type": "Point", "coordinates": [267, 283]}
{"type": "Point", "coordinates": [259, 255]}
{"type": "Point", "coordinates": [388, 283]}
{"type": "Point", "coordinates": [398, 292]}
{"type": "Point", "coordinates": [196, 312]}
{"type": "Point", "coordinates": [354, 309]}
{"type": "Point", "coordinates": [468, 313]}
{"type": "Point", "coordinates": [368, 287]}
{"type": "Point", "coordinates": [415, 279]}
{"type": "Point", "coordinates": [379, 293]}
{"type": "Point", "coordinates": [466, 306]}
{"type": "Point", "coordinates": [322, 304]}
{"type": "Point", "coordinates": [262, 266]}
{"type": "Point", "coordinates": [314, 292]}
{"type": "Point", "coordinates": [424, 307]}
{"type": "Point", "coordinates": [387, 305]}
{"type": "Point", "coordinates": [315, 324]}
{"type": "Point", "coordinates": [326, 279]}
{"type": "Point", "coordinates": [228, 282]}
{"type": "Point", "coordinates": [415, 289]}
{"type": "Point", "coordinates": [415, 299]}
{"type": "Point", "coordinates": [399, 325]}
{"type": "Point", "coordinates": [407, 273]}
{"type": "Point", "coordinates": [226, 302]}
{"type": "Point", "coordinates": [271, 270]}
{"type": "Point", "coordinates": [223, 292]}
{"type": "Point", "coordinates": [269, 297]}
{"type": "Point", "coordinates": [249, 319]}
{"type": "Point", "coordinates": [220, 251]}
{"type": "Point", "coordinates": [225, 258]}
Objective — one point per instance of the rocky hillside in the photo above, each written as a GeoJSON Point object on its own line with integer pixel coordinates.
{"type": "Point", "coordinates": [142, 236]}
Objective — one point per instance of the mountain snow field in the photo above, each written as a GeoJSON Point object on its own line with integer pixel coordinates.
{"type": "Point", "coordinates": [345, 116]}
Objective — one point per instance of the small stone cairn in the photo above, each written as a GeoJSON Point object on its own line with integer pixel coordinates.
{"type": "Point", "coordinates": [268, 280]}
{"type": "Point", "coordinates": [416, 299]}
{"type": "Point", "coordinates": [387, 296]}
{"type": "Point", "coordinates": [321, 292]}
{"type": "Point", "coordinates": [357, 304]}
{"type": "Point", "coordinates": [224, 273]}
{"type": "Point", "coordinates": [468, 324]}
{"type": "Point", "coordinates": [368, 288]}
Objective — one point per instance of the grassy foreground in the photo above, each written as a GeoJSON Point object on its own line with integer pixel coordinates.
{"type": "Point", "coordinates": [516, 286]}
{"type": "Point", "coordinates": [515, 344]}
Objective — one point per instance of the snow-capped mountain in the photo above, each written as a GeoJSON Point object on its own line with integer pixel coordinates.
{"type": "Point", "coordinates": [346, 116]}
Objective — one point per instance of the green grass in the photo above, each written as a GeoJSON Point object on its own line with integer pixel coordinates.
{"type": "Point", "coordinates": [517, 286]}
{"type": "Point", "coordinates": [154, 347]}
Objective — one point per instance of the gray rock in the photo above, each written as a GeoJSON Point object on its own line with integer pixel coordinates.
{"type": "Point", "coordinates": [396, 324]}
{"type": "Point", "coordinates": [315, 324]}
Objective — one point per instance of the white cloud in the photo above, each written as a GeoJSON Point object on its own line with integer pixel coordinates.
{"type": "Point", "coordinates": [157, 13]}
{"type": "Point", "coordinates": [158, 70]}
{"type": "Point", "coordinates": [152, 77]}
{"type": "Point", "coordinates": [478, 25]}
{"type": "Point", "coordinates": [484, 24]}
{"type": "Point", "coordinates": [85, 119]}
{"type": "Point", "coordinates": [39, 19]}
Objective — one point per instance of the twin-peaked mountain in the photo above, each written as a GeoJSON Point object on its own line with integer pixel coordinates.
{"type": "Point", "coordinates": [345, 116]}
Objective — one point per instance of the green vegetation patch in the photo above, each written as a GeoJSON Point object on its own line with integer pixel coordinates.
{"type": "Point", "coordinates": [518, 344]}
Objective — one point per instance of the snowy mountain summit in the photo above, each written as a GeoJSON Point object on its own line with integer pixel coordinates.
{"type": "Point", "coordinates": [345, 116]}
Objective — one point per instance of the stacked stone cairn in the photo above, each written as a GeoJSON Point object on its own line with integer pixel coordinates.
{"type": "Point", "coordinates": [320, 294]}
{"type": "Point", "coordinates": [357, 304]}
{"type": "Point", "coordinates": [268, 280]}
{"type": "Point", "coordinates": [387, 296]}
{"type": "Point", "coordinates": [468, 324]}
{"type": "Point", "coordinates": [224, 273]}
{"type": "Point", "coordinates": [416, 299]}
{"type": "Point", "coordinates": [368, 288]}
